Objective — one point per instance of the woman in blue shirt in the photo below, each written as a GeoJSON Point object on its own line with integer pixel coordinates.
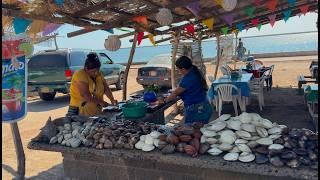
{"type": "Point", "coordinates": [193, 91]}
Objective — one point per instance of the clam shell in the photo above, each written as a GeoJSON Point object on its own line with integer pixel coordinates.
{"type": "Point", "coordinates": [248, 127]}
{"type": "Point", "coordinates": [226, 132]}
{"type": "Point", "coordinates": [253, 138]}
{"type": "Point", "coordinates": [243, 147]}
{"type": "Point", "coordinates": [246, 157]}
{"type": "Point", "coordinates": [155, 134]}
{"type": "Point", "coordinates": [240, 141]}
{"type": "Point", "coordinates": [214, 145]}
{"type": "Point", "coordinates": [262, 132]}
{"type": "Point", "coordinates": [264, 141]}
{"type": "Point", "coordinates": [227, 137]}
{"type": "Point", "coordinates": [214, 151]}
{"type": "Point", "coordinates": [266, 123]}
{"type": "Point", "coordinates": [235, 149]}
{"type": "Point", "coordinates": [156, 142]}
{"type": "Point", "coordinates": [252, 144]}
{"type": "Point", "coordinates": [225, 147]}
{"type": "Point", "coordinates": [255, 116]}
{"type": "Point", "coordinates": [231, 156]}
{"type": "Point", "coordinates": [274, 136]}
{"type": "Point", "coordinates": [234, 124]}
{"type": "Point", "coordinates": [245, 117]}
{"type": "Point", "coordinates": [60, 139]}
{"type": "Point", "coordinates": [275, 147]}
{"type": "Point", "coordinates": [53, 140]}
{"type": "Point", "coordinates": [142, 137]}
{"type": "Point", "coordinates": [224, 117]}
{"type": "Point", "coordinates": [139, 144]}
{"type": "Point", "coordinates": [149, 139]}
{"type": "Point", "coordinates": [203, 129]}
{"type": "Point", "coordinates": [275, 130]}
{"type": "Point", "coordinates": [243, 134]}
{"type": "Point", "coordinates": [208, 133]}
{"type": "Point", "coordinates": [67, 136]}
{"type": "Point", "coordinates": [147, 147]}
{"type": "Point", "coordinates": [74, 142]}
{"type": "Point", "coordinates": [203, 139]}
{"type": "Point", "coordinates": [217, 126]}
{"type": "Point", "coordinates": [211, 140]}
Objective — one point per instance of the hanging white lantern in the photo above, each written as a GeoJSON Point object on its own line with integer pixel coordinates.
{"type": "Point", "coordinates": [229, 5]}
{"type": "Point", "coordinates": [113, 43]}
{"type": "Point", "coordinates": [164, 17]}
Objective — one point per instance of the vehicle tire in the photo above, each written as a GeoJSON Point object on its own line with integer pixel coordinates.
{"type": "Point", "coordinates": [47, 96]}
{"type": "Point", "coordinates": [119, 84]}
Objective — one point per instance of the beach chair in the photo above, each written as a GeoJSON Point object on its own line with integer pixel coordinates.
{"type": "Point", "coordinates": [224, 92]}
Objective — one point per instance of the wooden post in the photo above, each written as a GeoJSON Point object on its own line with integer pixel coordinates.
{"type": "Point", "coordinates": [173, 66]}
{"type": "Point", "coordinates": [126, 72]}
{"type": "Point", "coordinates": [218, 56]}
{"type": "Point", "coordinates": [235, 52]}
{"type": "Point", "coordinates": [19, 151]}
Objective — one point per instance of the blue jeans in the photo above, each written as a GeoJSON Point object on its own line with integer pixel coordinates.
{"type": "Point", "coordinates": [200, 112]}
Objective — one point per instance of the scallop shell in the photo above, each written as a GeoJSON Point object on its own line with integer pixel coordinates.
{"type": "Point", "coordinates": [74, 142]}
{"type": "Point", "coordinates": [275, 147]}
{"type": "Point", "coordinates": [214, 151]}
{"type": "Point", "coordinates": [243, 147]}
{"type": "Point", "coordinates": [235, 150]}
{"type": "Point", "coordinates": [211, 140]}
{"type": "Point", "coordinates": [243, 134]}
{"type": "Point", "coordinates": [234, 124]}
{"type": "Point", "coordinates": [143, 138]}
{"type": "Point", "coordinates": [231, 156]}
{"type": "Point", "coordinates": [274, 136]}
{"type": "Point", "coordinates": [245, 117]}
{"type": "Point", "coordinates": [217, 126]}
{"type": "Point", "coordinates": [240, 141]}
{"type": "Point", "coordinates": [147, 147]}
{"type": "Point", "coordinates": [224, 117]}
{"type": "Point", "coordinates": [203, 129]}
{"type": "Point", "coordinates": [248, 127]}
{"type": "Point", "coordinates": [156, 142]}
{"type": "Point", "coordinates": [214, 145]}
{"type": "Point", "coordinates": [255, 116]}
{"type": "Point", "coordinates": [208, 133]}
{"type": "Point", "coordinates": [262, 132]}
{"type": "Point", "coordinates": [139, 144]}
{"type": "Point", "coordinates": [246, 157]}
{"type": "Point", "coordinates": [266, 123]}
{"type": "Point", "coordinates": [148, 139]}
{"type": "Point", "coordinates": [225, 147]}
{"type": "Point", "coordinates": [264, 141]}
{"type": "Point", "coordinates": [203, 139]}
{"type": "Point", "coordinates": [53, 140]}
{"type": "Point", "coordinates": [275, 130]}
{"type": "Point", "coordinates": [253, 138]}
{"type": "Point", "coordinates": [67, 136]}
{"type": "Point", "coordinates": [227, 139]}
{"type": "Point", "coordinates": [226, 132]}
{"type": "Point", "coordinates": [155, 134]}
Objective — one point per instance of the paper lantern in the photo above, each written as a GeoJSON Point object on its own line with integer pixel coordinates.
{"type": "Point", "coordinates": [164, 16]}
{"type": "Point", "coordinates": [229, 5]}
{"type": "Point", "coordinates": [113, 43]}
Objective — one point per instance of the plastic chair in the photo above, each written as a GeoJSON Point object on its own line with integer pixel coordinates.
{"type": "Point", "coordinates": [211, 78]}
{"type": "Point", "coordinates": [256, 89]}
{"type": "Point", "coordinates": [224, 92]}
{"type": "Point", "coordinates": [225, 70]}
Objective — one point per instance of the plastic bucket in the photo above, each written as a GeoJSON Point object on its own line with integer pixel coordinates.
{"type": "Point", "coordinates": [134, 109]}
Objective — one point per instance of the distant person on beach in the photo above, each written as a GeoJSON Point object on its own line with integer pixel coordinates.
{"type": "Point", "coordinates": [241, 50]}
{"type": "Point", "coordinates": [193, 91]}
{"type": "Point", "coordinates": [87, 89]}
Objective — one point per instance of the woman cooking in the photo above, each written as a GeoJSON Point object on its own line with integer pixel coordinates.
{"type": "Point", "coordinates": [87, 89]}
{"type": "Point", "coordinates": [193, 91]}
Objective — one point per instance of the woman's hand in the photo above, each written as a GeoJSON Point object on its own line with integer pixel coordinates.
{"type": "Point", "coordinates": [114, 102]}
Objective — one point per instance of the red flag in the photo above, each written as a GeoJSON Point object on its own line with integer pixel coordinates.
{"type": "Point", "coordinates": [190, 29]}
{"type": "Point", "coordinates": [272, 19]}
{"type": "Point", "coordinates": [255, 21]}
{"type": "Point", "coordinates": [272, 4]}
{"type": "Point", "coordinates": [140, 37]}
{"type": "Point", "coordinates": [304, 9]}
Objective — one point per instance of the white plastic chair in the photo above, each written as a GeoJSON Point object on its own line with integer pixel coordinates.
{"type": "Point", "coordinates": [225, 70]}
{"type": "Point", "coordinates": [224, 92]}
{"type": "Point", "coordinates": [256, 89]}
{"type": "Point", "coordinates": [211, 78]}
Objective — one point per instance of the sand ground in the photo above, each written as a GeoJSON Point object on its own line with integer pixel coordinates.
{"type": "Point", "coordinates": [284, 75]}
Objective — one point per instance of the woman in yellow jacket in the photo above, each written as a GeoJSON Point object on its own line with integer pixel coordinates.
{"type": "Point", "coordinates": [87, 89]}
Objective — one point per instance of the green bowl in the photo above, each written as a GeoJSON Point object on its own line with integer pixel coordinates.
{"type": "Point", "coordinates": [134, 109]}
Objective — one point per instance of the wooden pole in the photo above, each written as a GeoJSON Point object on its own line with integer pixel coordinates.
{"type": "Point", "coordinates": [126, 72]}
{"type": "Point", "coordinates": [218, 56]}
{"type": "Point", "coordinates": [235, 52]}
{"type": "Point", "coordinates": [19, 151]}
{"type": "Point", "coordinates": [173, 66]}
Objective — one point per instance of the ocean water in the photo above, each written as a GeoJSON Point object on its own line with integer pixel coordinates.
{"type": "Point", "coordinates": [256, 45]}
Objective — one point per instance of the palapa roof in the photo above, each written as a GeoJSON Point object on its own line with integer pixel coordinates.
{"type": "Point", "coordinates": [106, 14]}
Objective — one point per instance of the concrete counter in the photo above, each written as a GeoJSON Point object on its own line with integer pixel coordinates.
{"type": "Point", "coordinates": [93, 164]}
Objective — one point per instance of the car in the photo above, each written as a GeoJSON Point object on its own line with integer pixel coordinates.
{"type": "Point", "coordinates": [50, 71]}
{"type": "Point", "coordinates": [157, 72]}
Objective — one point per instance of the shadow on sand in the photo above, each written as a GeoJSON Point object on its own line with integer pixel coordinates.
{"type": "Point", "coordinates": [54, 173]}
{"type": "Point", "coordinates": [40, 105]}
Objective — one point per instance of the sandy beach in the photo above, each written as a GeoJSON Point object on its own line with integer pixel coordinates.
{"type": "Point", "coordinates": [44, 164]}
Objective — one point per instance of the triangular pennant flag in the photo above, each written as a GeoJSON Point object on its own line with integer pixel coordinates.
{"type": "Point", "coordinates": [286, 15]}
{"type": "Point", "coordinates": [190, 29]}
{"type": "Point", "coordinates": [151, 38]}
{"type": "Point", "coordinates": [59, 2]}
{"type": "Point", "coordinates": [257, 2]}
{"type": "Point", "coordinates": [140, 19]}
{"type": "Point", "coordinates": [272, 19]}
{"type": "Point", "coordinates": [140, 37]}
{"type": "Point", "coordinates": [259, 26]}
{"type": "Point", "coordinates": [272, 4]}
{"type": "Point", "coordinates": [228, 18]}
{"type": "Point", "coordinates": [218, 2]}
{"type": "Point", "coordinates": [50, 28]}
{"type": "Point", "coordinates": [249, 11]}
{"type": "Point", "coordinates": [20, 25]}
{"type": "Point", "coordinates": [36, 27]}
{"type": "Point", "coordinates": [292, 2]}
{"type": "Point", "coordinates": [255, 22]}
{"type": "Point", "coordinates": [209, 23]}
{"type": "Point", "coordinates": [234, 31]}
{"type": "Point", "coordinates": [6, 20]}
{"type": "Point", "coordinates": [304, 9]}
{"type": "Point", "coordinates": [240, 26]}
{"type": "Point", "coordinates": [224, 30]}
{"type": "Point", "coordinates": [194, 7]}
{"type": "Point", "coordinates": [299, 14]}
{"type": "Point", "coordinates": [110, 30]}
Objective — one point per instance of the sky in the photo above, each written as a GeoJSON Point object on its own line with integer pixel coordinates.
{"type": "Point", "coordinates": [95, 40]}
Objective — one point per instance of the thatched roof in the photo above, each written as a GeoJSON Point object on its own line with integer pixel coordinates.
{"type": "Point", "coordinates": [106, 14]}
